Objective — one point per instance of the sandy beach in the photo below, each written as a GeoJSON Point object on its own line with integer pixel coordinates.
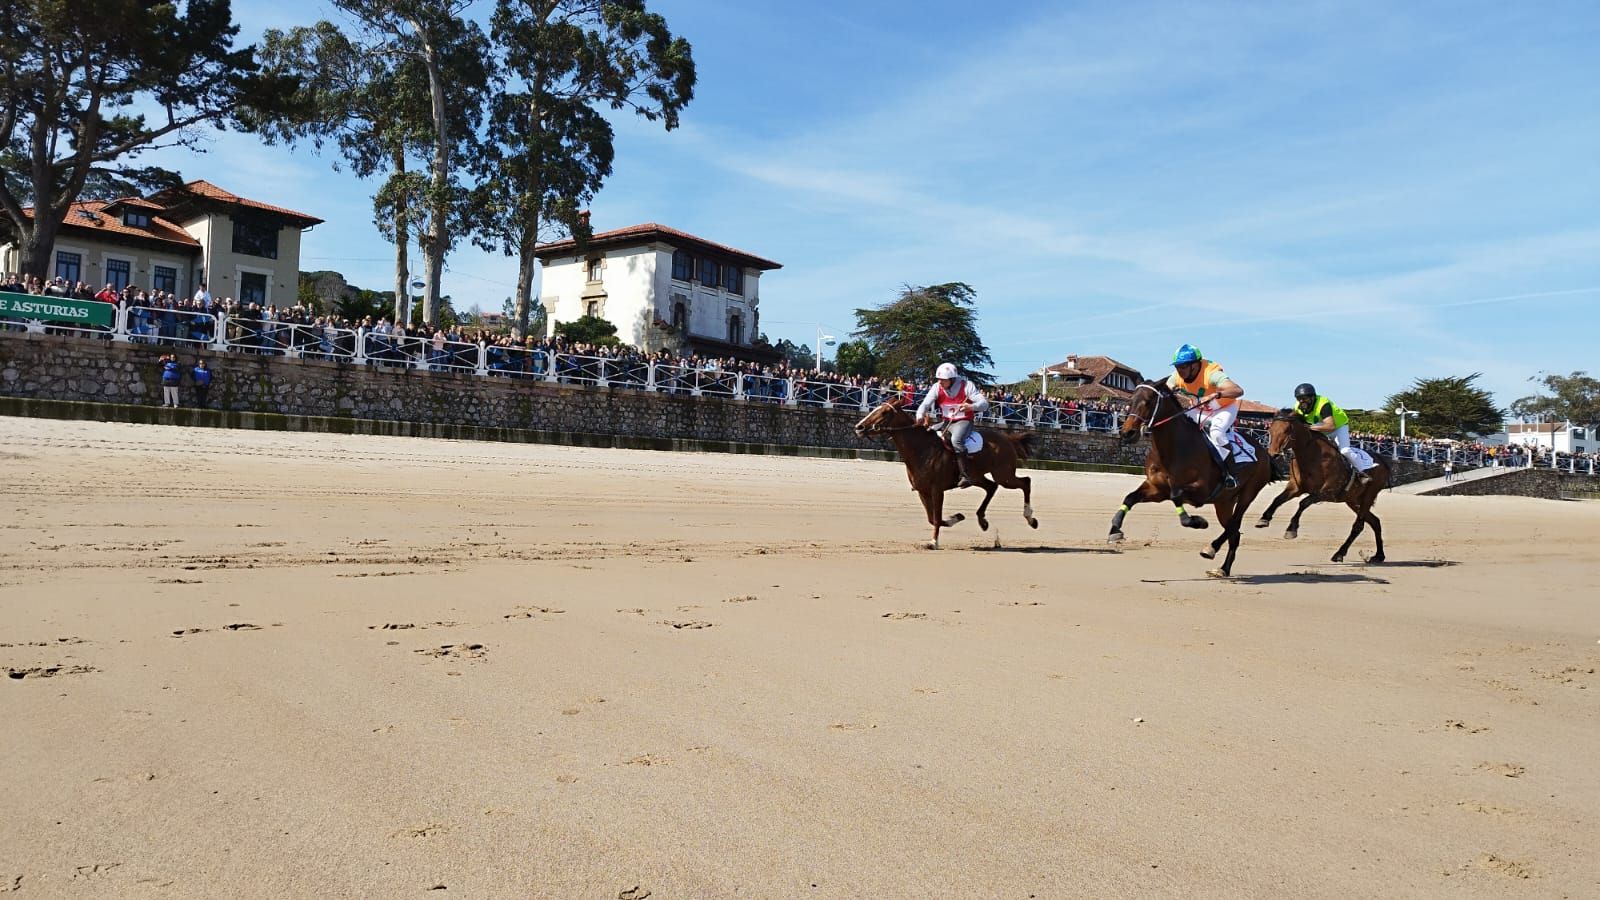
{"type": "Point", "coordinates": [281, 665]}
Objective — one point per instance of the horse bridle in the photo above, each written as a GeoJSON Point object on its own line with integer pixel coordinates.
{"type": "Point", "coordinates": [1152, 424]}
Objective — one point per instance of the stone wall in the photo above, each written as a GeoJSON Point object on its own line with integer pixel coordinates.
{"type": "Point", "coordinates": [47, 367]}
{"type": "Point", "coordinates": [1540, 483]}
{"type": "Point", "coordinates": [276, 392]}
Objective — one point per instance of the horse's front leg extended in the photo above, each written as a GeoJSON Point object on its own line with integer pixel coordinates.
{"type": "Point", "coordinates": [1281, 499]}
{"type": "Point", "coordinates": [1184, 517]}
{"type": "Point", "coordinates": [1293, 531]}
{"type": "Point", "coordinates": [1143, 492]}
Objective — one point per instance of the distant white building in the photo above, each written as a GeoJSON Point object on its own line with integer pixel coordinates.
{"type": "Point", "coordinates": [661, 287]}
{"type": "Point", "coordinates": [1556, 437]}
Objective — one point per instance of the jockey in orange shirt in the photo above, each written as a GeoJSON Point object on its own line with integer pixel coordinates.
{"type": "Point", "coordinates": [1215, 402]}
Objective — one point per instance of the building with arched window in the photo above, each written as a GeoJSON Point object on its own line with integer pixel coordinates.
{"type": "Point", "coordinates": [661, 287]}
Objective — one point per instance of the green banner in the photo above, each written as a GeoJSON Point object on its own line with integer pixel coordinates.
{"type": "Point", "coordinates": [56, 309]}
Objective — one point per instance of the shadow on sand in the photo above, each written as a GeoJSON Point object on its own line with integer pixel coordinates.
{"type": "Point", "coordinates": [1309, 578]}
{"type": "Point", "coordinates": [1104, 550]}
{"type": "Point", "coordinates": [1390, 564]}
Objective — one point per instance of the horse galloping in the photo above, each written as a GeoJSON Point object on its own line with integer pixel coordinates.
{"type": "Point", "coordinates": [932, 467]}
{"type": "Point", "coordinates": [1182, 467]}
{"type": "Point", "coordinates": [1319, 471]}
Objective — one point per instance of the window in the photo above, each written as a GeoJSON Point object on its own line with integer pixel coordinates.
{"type": "Point", "coordinates": [136, 219]}
{"type": "Point", "coordinates": [596, 266]}
{"type": "Point", "coordinates": [164, 278]}
{"type": "Point", "coordinates": [252, 287]}
{"type": "Point", "coordinates": [735, 330]}
{"type": "Point", "coordinates": [69, 265]}
{"type": "Point", "coordinates": [708, 273]}
{"type": "Point", "coordinates": [680, 316]}
{"type": "Point", "coordinates": [117, 273]}
{"type": "Point", "coordinates": [733, 279]}
{"type": "Point", "coordinates": [255, 237]}
{"type": "Point", "coordinates": [682, 265]}
{"type": "Point", "coordinates": [592, 308]}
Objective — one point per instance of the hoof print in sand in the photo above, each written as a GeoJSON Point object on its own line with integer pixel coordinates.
{"type": "Point", "coordinates": [419, 831]}
{"type": "Point", "coordinates": [241, 626]}
{"type": "Point", "coordinates": [633, 893]}
{"type": "Point", "coordinates": [48, 671]}
{"type": "Point", "coordinates": [903, 615]}
{"type": "Point", "coordinates": [455, 651]}
{"type": "Point", "coordinates": [741, 599]}
{"type": "Point", "coordinates": [690, 625]}
{"type": "Point", "coordinates": [1511, 868]}
{"type": "Point", "coordinates": [1509, 770]}
{"type": "Point", "coordinates": [1458, 725]}
{"type": "Point", "coordinates": [647, 760]}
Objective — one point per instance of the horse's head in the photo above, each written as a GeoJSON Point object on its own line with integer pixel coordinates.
{"type": "Point", "coordinates": [1151, 403]}
{"type": "Point", "coordinates": [886, 417]}
{"type": "Point", "coordinates": [1280, 434]}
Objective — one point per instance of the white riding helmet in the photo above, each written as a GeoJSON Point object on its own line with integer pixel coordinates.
{"type": "Point", "coordinates": [945, 370]}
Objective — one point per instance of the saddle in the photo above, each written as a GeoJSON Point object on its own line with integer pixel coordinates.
{"type": "Point", "coordinates": [973, 443]}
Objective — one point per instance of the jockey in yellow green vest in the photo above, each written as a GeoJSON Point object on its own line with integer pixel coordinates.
{"type": "Point", "coordinates": [1325, 417]}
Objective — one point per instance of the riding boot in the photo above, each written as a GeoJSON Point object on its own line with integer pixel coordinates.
{"type": "Point", "coordinates": [1229, 481]}
{"type": "Point", "coordinates": [961, 463]}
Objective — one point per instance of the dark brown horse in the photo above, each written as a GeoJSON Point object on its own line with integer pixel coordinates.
{"type": "Point", "coordinates": [1182, 467]}
{"type": "Point", "coordinates": [1317, 469]}
{"type": "Point", "coordinates": [932, 467]}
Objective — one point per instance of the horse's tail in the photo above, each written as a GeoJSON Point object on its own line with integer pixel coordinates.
{"type": "Point", "coordinates": [1023, 443]}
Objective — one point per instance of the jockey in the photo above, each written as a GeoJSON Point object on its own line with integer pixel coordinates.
{"type": "Point", "coordinates": [1216, 402]}
{"type": "Point", "coordinates": [959, 401]}
{"type": "Point", "coordinates": [1325, 417]}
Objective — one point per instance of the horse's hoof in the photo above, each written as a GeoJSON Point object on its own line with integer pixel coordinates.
{"type": "Point", "coordinates": [1208, 554]}
{"type": "Point", "coordinates": [932, 545]}
{"type": "Point", "coordinates": [1197, 522]}
{"type": "Point", "coordinates": [1291, 535]}
{"type": "Point", "coordinates": [983, 524]}
{"type": "Point", "coordinates": [1116, 537]}
{"type": "Point", "coordinates": [958, 517]}
{"type": "Point", "coordinates": [1033, 523]}
{"type": "Point", "coordinates": [1338, 557]}
{"type": "Point", "coordinates": [1376, 559]}
{"type": "Point", "coordinates": [1218, 573]}
{"type": "Point", "coordinates": [1263, 523]}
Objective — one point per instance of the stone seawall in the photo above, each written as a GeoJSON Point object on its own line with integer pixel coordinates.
{"type": "Point", "coordinates": [1543, 484]}
{"type": "Point", "coordinates": [275, 392]}
{"type": "Point", "coordinates": [48, 367]}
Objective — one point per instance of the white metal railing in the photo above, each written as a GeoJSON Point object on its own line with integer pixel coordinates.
{"type": "Point", "coordinates": [516, 362]}
{"type": "Point", "coordinates": [168, 325]}
{"type": "Point", "coordinates": [765, 388]}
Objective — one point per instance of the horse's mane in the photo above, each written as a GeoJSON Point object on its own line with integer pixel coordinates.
{"type": "Point", "coordinates": [1287, 414]}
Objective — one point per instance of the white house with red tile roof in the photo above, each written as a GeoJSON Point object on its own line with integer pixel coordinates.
{"type": "Point", "coordinates": [177, 238]}
{"type": "Point", "coordinates": [656, 284]}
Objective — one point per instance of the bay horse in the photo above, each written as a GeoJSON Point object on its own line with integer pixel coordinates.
{"type": "Point", "coordinates": [932, 467]}
{"type": "Point", "coordinates": [1182, 467]}
{"type": "Point", "coordinates": [1318, 470]}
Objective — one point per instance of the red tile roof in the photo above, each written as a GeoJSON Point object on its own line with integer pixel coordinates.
{"type": "Point", "coordinates": [202, 188]}
{"type": "Point", "coordinates": [90, 215]}
{"type": "Point", "coordinates": [650, 231]}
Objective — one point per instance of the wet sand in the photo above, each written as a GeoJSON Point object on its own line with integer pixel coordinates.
{"type": "Point", "coordinates": [275, 665]}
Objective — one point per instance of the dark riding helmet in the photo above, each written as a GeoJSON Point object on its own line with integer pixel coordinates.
{"type": "Point", "coordinates": [1305, 392]}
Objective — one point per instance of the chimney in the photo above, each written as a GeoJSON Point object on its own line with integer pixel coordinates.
{"type": "Point", "coordinates": [1072, 360]}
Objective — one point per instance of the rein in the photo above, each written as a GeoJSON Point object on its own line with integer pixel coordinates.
{"type": "Point", "coordinates": [1153, 424]}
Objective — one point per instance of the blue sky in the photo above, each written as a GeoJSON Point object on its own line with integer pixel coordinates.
{"type": "Point", "coordinates": [1356, 194]}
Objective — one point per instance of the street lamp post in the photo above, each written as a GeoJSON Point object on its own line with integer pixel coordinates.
{"type": "Point", "coordinates": [417, 285]}
{"type": "Point", "coordinates": [1401, 411]}
{"type": "Point", "coordinates": [820, 339]}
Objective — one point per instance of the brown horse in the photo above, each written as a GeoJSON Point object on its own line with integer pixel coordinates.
{"type": "Point", "coordinates": [1318, 470]}
{"type": "Point", "coordinates": [932, 467]}
{"type": "Point", "coordinates": [1182, 467]}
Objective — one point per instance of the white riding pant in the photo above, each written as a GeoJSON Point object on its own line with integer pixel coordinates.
{"type": "Point", "coordinates": [1341, 439]}
{"type": "Point", "coordinates": [1217, 422]}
